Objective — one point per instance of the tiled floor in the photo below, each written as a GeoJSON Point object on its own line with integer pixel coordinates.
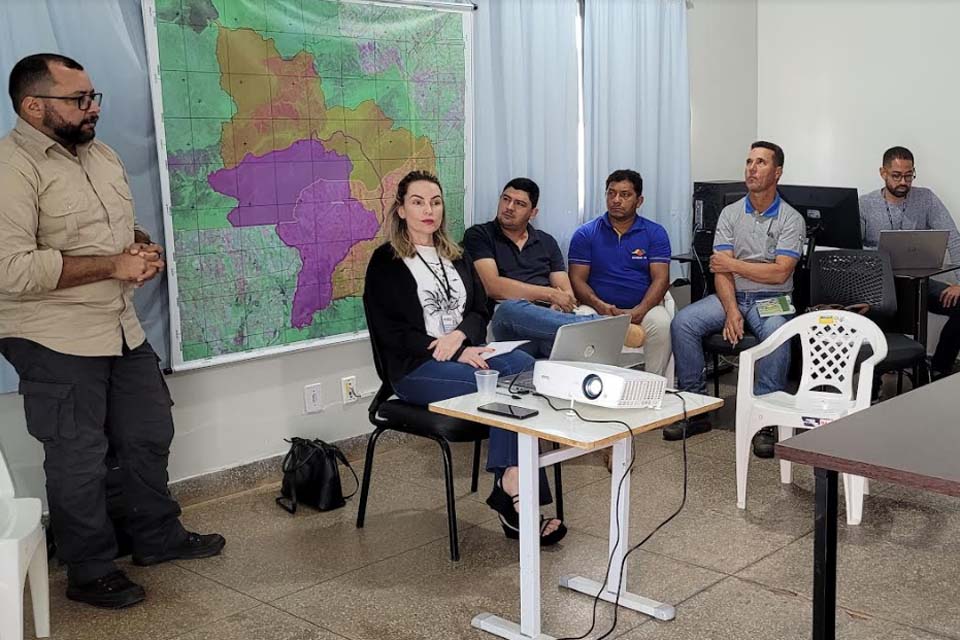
{"type": "Point", "coordinates": [731, 574]}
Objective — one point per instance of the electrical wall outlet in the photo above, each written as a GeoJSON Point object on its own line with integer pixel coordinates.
{"type": "Point", "coordinates": [348, 389]}
{"type": "Point", "coordinates": [312, 398]}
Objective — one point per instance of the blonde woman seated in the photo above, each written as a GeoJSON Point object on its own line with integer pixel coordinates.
{"type": "Point", "coordinates": [427, 311]}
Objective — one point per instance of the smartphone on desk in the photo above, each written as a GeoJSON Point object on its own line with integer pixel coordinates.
{"type": "Point", "coordinates": [508, 410]}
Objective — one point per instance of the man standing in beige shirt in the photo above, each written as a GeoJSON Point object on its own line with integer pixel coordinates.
{"type": "Point", "coordinates": [70, 259]}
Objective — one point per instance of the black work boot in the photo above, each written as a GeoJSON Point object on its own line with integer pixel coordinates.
{"type": "Point", "coordinates": [763, 442]}
{"type": "Point", "coordinates": [112, 591]}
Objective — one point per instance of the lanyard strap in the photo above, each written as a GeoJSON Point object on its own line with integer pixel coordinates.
{"type": "Point", "coordinates": [903, 212]}
{"type": "Point", "coordinates": [445, 283]}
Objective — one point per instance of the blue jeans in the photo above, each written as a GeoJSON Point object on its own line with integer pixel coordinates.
{"type": "Point", "coordinates": [706, 317]}
{"type": "Point", "coordinates": [524, 320]}
{"type": "Point", "coordinates": [434, 381]}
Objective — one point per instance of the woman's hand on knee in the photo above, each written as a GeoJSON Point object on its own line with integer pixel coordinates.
{"type": "Point", "coordinates": [445, 346]}
{"type": "Point", "coordinates": [473, 356]}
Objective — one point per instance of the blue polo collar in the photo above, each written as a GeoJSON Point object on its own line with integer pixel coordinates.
{"type": "Point", "coordinates": [772, 211]}
{"type": "Point", "coordinates": [638, 225]}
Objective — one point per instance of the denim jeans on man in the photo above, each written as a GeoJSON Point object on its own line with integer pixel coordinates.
{"type": "Point", "coordinates": [434, 381]}
{"type": "Point", "coordinates": [706, 317]}
{"type": "Point", "coordinates": [524, 320]}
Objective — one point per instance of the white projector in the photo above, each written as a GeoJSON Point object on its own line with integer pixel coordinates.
{"type": "Point", "coordinates": [600, 384]}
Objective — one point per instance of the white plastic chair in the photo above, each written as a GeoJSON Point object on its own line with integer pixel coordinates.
{"type": "Point", "coordinates": [830, 341]}
{"type": "Point", "coordinates": [23, 552]}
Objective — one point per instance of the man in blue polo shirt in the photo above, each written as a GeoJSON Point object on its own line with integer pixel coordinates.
{"type": "Point", "coordinates": [756, 247]}
{"type": "Point", "coordinates": [620, 264]}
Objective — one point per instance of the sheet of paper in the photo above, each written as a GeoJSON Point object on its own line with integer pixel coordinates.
{"type": "Point", "coordinates": [502, 347]}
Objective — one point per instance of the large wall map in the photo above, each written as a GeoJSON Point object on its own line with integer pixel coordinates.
{"type": "Point", "coordinates": [287, 126]}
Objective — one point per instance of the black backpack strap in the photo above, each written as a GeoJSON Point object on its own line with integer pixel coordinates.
{"type": "Point", "coordinates": [342, 458]}
{"type": "Point", "coordinates": [288, 504]}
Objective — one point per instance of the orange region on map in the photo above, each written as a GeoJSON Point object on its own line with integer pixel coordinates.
{"type": "Point", "coordinates": [280, 101]}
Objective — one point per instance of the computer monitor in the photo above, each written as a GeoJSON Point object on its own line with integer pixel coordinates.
{"type": "Point", "coordinates": [735, 195]}
{"type": "Point", "coordinates": [832, 214]}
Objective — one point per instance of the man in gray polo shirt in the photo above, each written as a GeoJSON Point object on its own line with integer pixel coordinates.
{"type": "Point", "coordinates": [757, 246]}
{"type": "Point", "coordinates": [900, 205]}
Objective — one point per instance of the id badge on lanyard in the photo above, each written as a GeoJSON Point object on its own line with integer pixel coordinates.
{"type": "Point", "coordinates": [448, 323]}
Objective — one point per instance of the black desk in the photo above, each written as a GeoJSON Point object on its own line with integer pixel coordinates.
{"type": "Point", "coordinates": [911, 440]}
{"type": "Point", "coordinates": [913, 286]}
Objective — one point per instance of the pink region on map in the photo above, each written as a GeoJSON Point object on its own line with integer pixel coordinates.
{"type": "Point", "coordinates": [305, 191]}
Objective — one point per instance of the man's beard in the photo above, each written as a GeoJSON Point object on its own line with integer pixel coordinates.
{"type": "Point", "coordinates": [70, 134]}
{"type": "Point", "coordinates": [900, 191]}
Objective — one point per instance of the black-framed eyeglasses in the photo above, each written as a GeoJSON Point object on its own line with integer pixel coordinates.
{"type": "Point", "coordinates": [905, 177]}
{"type": "Point", "coordinates": [84, 102]}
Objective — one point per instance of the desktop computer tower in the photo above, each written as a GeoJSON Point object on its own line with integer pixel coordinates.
{"type": "Point", "coordinates": [709, 199]}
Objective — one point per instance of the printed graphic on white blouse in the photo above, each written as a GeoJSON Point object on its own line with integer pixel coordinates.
{"type": "Point", "coordinates": [440, 290]}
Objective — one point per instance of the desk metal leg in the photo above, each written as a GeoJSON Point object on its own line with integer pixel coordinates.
{"type": "Point", "coordinates": [825, 556]}
{"type": "Point", "coordinates": [619, 545]}
{"type": "Point", "coordinates": [529, 627]}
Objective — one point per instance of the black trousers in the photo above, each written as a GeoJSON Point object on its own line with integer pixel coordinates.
{"type": "Point", "coordinates": [77, 406]}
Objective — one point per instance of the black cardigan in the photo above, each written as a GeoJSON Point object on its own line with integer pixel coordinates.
{"type": "Point", "coordinates": [395, 316]}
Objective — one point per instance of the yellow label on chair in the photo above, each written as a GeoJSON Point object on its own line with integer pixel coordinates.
{"type": "Point", "coordinates": [826, 319]}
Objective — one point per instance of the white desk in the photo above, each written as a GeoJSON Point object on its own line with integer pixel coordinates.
{"type": "Point", "coordinates": [581, 438]}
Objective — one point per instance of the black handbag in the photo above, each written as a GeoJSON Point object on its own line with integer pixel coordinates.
{"type": "Point", "coordinates": [311, 476]}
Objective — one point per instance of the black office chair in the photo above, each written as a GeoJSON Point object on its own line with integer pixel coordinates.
{"type": "Point", "coordinates": [850, 277]}
{"type": "Point", "coordinates": [715, 345]}
{"type": "Point", "coordinates": [396, 415]}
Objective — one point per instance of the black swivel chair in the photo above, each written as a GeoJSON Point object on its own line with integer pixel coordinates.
{"type": "Point", "coordinates": [715, 345]}
{"type": "Point", "coordinates": [396, 415]}
{"type": "Point", "coordinates": [850, 277]}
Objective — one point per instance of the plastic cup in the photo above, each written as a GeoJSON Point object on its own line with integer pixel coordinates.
{"type": "Point", "coordinates": [486, 384]}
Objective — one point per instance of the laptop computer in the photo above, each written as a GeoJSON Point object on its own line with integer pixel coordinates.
{"type": "Point", "coordinates": [914, 249]}
{"type": "Point", "coordinates": [598, 341]}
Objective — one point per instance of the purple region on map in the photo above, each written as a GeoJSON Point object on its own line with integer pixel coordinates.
{"type": "Point", "coordinates": [376, 58]}
{"type": "Point", "coordinates": [305, 191]}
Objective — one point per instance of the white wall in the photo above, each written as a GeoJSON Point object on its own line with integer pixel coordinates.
{"type": "Point", "coordinates": [840, 81]}
{"type": "Point", "coordinates": [722, 47]}
{"type": "Point", "coordinates": [231, 414]}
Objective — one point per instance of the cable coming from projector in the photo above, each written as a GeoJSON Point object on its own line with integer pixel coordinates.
{"type": "Point", "coordinates": [633, 457]}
